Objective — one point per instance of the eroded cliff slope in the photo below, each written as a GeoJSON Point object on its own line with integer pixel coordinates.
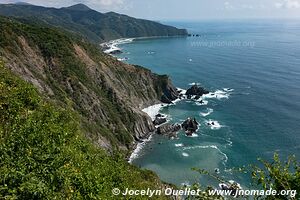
{"type": "Point", "coordinates": [107, 94]}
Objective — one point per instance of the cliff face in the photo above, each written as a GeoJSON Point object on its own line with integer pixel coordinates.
{"type": "Point", "coordinates": [44, 155]}
{"type": "Point", "coordinates": [108, 95]}
{"type": "Point", "coordinates": [95, 26]}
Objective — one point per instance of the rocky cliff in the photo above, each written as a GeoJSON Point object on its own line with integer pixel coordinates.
{"type": "Point", "coordinates": [108, 95]}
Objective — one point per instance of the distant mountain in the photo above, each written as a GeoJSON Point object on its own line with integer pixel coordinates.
{"type": "Point", "coordinates": [79, 7]}
{"type": "Point", "coordinates": [22, 3]}
{"type": "Point", "coordinates": [95, 26]}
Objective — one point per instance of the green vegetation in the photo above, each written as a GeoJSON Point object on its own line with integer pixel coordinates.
{"type": "Point", "coordinates": [44, 155]}
{"type": "Point", "coordinates": [276, 175]}
{"type": "Point", "coordinates": [95, 26]}
{"type": "Point", "coordinates": [67, 76]}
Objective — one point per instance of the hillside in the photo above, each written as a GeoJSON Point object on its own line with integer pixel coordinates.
{"type": "Point", "coordinates": [95, 26]}
{"type": "Point", "coordinates": [44, 155]}
{"type": "Point", "coordinates": [107, 94]}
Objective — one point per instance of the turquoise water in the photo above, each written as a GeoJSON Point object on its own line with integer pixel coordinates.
{"type": "Point", "coordinates": [260, 60]}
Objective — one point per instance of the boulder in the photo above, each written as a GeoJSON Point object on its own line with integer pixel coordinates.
{"type": "Point", "coordinates": [159, 115]}
{"type": "Point", "coordinates": [197, 91]}
{"type": "Point", "coordinates": [116, 52]}
{"type": "Point", "coordinates": [159, 119]}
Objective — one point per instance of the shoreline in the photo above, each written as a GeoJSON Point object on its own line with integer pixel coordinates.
{"type": "Point", "coordinates": [153, 110]}
{"type": "Point", "coordinates": [112, 45]}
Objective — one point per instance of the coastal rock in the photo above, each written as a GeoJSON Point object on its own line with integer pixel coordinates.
{"type": "Point", "coordinates": [197, 91]}
{"type": "Point", "coordinates": [165, 99]}
{"type": "Point", "coordinates": [159, 115]}
{"type": "Point", "coordinates": [170, 93]}
{"type": "Point", "coordinates": [159, 119]}
{"type": "Point", "coordinates": [168, 129]}
{"type": "Point", "coordinates": [232, 186]}
{"type": "Point", "coordinates": [190, 126]}
{"type": "Point", "coordinates": [197, 97]}
{"type": "Point", "coordinates": [114, 52]}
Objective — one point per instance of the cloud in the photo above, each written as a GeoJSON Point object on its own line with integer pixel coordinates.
{"type": "Point", "coordinates": [288, 4]}
{"type": "Point", "coordinates": [108, 2]}
{"type": "Point", "coordinates": [247, 6]}
{"type": "Point", "coordinates": [105, 4]}
{"type": "Point", "coordinates": [228, 5]}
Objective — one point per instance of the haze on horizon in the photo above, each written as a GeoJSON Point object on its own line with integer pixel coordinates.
{"type": "Point", "coordinates": [185, 10]}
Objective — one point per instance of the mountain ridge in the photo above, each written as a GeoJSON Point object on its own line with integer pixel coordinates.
{"type": "Point", "coordinates": [79, 6]}
{"type": "Point", "coordinates": [97, 27]}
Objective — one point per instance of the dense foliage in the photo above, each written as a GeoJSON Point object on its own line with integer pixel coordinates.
{"type": "Point", "coordinates": [95, 26]}
{"type": "Point", "coordinates": [278, 175]}
{"type": "Point", "coordinates": [43, 154]}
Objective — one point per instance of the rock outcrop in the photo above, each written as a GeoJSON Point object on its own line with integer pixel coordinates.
{"type": "Point", "coordinates": [168, 129]}
{"type": "Point", "coordinates": [197, 91]}
{"type": "Point", "coordinates": [190, 126]}
{"type": "Point", "coordinates": [159, 119]}
{"type": "Point", "coordinates": [170, 92]}
{"type": "Point", "coordinates": [116, 52]}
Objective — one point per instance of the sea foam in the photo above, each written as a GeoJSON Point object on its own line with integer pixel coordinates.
{"type": "Point", "coordinates": [206, 147]}
{"type": "Point", "coordinates": [139, 147]}
{"type": "Point", "coordinates": [194, 135]}
{"type": "Point", "coordinates": [213, 124]}
{"type": "Point", "coordinates": [194, 83]}
{"type": "Point", "coordinates": [185, 154]}
{"type": "Point", "coordinates": [209, 111]}
{"type": "Point", "coordinates": [113, 45]}
{"type": "Point", "coordinates": [153, 110]}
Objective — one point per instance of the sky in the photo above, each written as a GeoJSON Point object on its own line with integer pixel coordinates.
{"type": "Point", "coordinates": [186, 9]}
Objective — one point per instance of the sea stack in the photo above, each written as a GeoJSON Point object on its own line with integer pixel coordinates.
{"type": "Point", "coordinates": [190, 126]}
{"type": "Point", "coordinates": [197, 91]}
{"type": "Point", "coordinates": [169, 129]}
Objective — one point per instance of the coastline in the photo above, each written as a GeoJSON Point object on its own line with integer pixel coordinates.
{"type": "Point", "coordinates": [151, 111]}
{"type": "Point", "coordinates": [112, 45]}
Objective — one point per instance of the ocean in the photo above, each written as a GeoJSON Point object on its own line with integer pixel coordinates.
{"type": "Point", "coordinates": [252, 69]}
